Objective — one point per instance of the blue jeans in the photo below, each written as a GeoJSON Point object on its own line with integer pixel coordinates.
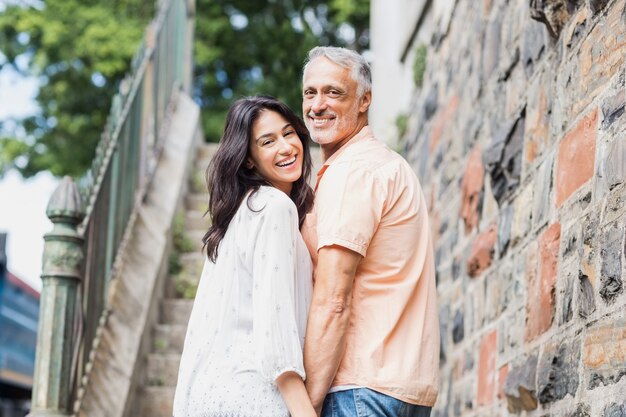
{"type": "Point", "coordinates": [364, 402]}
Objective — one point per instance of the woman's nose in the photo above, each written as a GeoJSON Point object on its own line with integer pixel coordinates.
{"type": "Point", "coordinates": [286, 148]}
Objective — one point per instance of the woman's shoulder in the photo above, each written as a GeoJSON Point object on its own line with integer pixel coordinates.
{"type": "Point", "coordinates": [270, 200]}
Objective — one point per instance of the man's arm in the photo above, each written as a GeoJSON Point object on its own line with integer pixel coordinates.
{"type": "Point", "coordinates": [328, 319]}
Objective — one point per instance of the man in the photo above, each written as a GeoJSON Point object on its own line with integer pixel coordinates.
{"type": "Point", "coordinates": [372, 340]}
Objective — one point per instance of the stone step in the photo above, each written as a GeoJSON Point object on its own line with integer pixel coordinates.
{"type": "Point", "coordinates": [169, 338]}
{"type": "Point", "coordinates": [196, 236]}
{"type": "Point", "coordinates": [175, 311]}
{"type": "Point", "coordinates": [182, 287]}
{"type": "Point", "coordinates": [195, 220]}
{"type": "Point", "coordinates": [192, 263]}
{"type": "Point", "coordinates": [157, 401]}
{"type": "Point", "coordinates": [162, 369]}
{"type": "Point", "coordinates": [197, 201]}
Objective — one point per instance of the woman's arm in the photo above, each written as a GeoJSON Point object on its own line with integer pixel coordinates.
{"type": "Point", "coordinates": [294, 394]}
{"type": "Point", "coordinates": [275, 330]}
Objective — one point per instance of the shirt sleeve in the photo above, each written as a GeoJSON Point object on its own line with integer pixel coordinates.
{"type": "Point", "coordinates": [349, 207]}
{"type": "Point", "coordinates": [274, 267]}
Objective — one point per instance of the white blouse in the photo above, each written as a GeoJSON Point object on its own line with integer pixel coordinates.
{"type": "Point", "coordinates": [249, 317]}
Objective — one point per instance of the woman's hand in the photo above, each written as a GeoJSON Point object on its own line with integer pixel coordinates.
{"type": "Point", "coordinates": [294, 394]}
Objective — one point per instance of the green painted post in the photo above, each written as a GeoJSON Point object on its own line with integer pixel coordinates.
{"type": "Point", "coordinates": [62, 262]}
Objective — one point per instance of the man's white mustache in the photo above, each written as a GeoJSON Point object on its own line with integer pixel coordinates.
{"type": "Point", "coordinates": [322, 114]}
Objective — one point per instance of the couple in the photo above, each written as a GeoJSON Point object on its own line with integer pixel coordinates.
{"type": "Point", "coordinates": [262, 339]}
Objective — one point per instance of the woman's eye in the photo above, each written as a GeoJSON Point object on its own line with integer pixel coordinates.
{"type": "Point", "coordinates": [288, 133]}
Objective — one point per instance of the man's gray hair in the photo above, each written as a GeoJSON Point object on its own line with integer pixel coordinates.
{"type": "Point", "coordinates": [347, 58]}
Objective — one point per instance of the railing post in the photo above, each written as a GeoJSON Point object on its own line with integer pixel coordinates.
{"type": "Point", "coordinates": [62, 262]}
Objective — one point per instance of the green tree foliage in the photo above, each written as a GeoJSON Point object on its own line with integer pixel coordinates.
{"type": "Point", "coordinates": [81, 49]}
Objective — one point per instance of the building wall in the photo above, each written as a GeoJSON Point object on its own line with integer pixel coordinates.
{"type": "Point", "coordinates": [518, 135]}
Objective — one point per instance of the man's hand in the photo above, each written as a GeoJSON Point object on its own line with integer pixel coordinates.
{"type": "Point", "coordinates": [328, 320]}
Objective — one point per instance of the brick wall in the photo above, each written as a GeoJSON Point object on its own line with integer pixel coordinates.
{"type": "Point", "coordinates": [518, 134]}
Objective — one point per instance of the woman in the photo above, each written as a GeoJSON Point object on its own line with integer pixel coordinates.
{"type": "Point", "coordinates": [243, 349]}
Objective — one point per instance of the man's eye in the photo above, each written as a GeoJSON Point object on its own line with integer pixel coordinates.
{"type": "Point", "coordinates": [308, 93]}
{"type": "Point", "coordinates": [333, 93]}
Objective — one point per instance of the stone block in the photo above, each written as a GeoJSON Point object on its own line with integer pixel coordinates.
{"type": "Point", "coordinates": [576, 157]}
{"type": "Point", "coordinates": [600, 57]}
{"type": "Point", "coordinates": [612, 165]}
{"type": "Point", "coordinates": [567, 299]}
{"type": "Point", "coordinates": [597, 5]}
{"type": "Point", "coordinates": [586, 296]}
{"type": "Point", "coordinates": [491, 46]}
{"type": "Point", "coordinates": [582, 410]}
{"type": "Point", "coordinates": [511, 332]}
{"type": "Point", "coordinates": [571, 241]}
{"type": "Point", "coordinates": [604, 353]}
{"type": "Point", "coordinates": [613, 106]}
{"type": "Point", "coordinates": [520, 386]}
{"type": "Point", "coordinates": [538, 112]}
{"type": "Point", "coordinates": [522, 214]}
{"type": "Point", "coordinates": [542, 198]}
{"type": "Point", "coordinates": [615, 410]}
{"type": "Point", "coordinates": [615, 204]}
{"type": "Point", "coordinates": [589, 248]}
{"type": "Point", "coordinates": [487, 369]}
{"type": "Point", "coordinates": [458, 331]}
{"type": "Point", "coordinates": [515, 83]}
{"type": "Point", "coordinates": [575, 29]}
{"type": "Point", "coordinates": [503, 157]}
{"type": "Point", "coordinates": [512, 277]}
{"type": "Point", "coordinates": [504, 230]}
{"type": "Point", "coordinates": [554, 14]}
{"type": "Point", "coordinates": [534, 43]}
{"type": "Point", "coordinates": [557, 374]}
{"type": "Point", "coordinates": [612, 253]}
{"type": "Point", "coordinates": [540, 305]}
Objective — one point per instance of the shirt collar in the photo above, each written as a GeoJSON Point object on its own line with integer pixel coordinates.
{"type": "Point", "coordinates": [364, 134]}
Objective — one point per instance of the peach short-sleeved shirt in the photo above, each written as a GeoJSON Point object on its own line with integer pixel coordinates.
{"type": "Point", "coordinates": [369, 200]}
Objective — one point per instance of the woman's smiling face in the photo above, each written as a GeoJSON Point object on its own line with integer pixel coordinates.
{"type": "Point", "coordinates": [275, 150]}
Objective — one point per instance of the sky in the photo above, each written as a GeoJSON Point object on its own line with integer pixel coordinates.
{"type": "Point", "coordinates": [23, 202]}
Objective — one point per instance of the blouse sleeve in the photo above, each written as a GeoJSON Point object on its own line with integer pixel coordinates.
{"type": "Point", "coordinates": [274, 272]}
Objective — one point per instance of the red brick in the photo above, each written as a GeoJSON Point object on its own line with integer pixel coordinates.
{"type": "Point", "coordinates": [540, 304]}
{"type": "Point", "coordinates": [482, 252]}
{"type": "Point", "coordinates": [471, 187]}
{"type": "Point", "coordinates": [605, 347]}
{"type": "Point", "coordinates": [487, 369]}
{"type": "Point", "coordinates": [576, 158]}
{"type": "Point", "coordinates": [442, 121]}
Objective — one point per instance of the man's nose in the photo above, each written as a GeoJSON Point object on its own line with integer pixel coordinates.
{"type": "Point", "coordinates": [318, 104]}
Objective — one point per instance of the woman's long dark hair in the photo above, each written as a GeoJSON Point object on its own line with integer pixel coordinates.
{"type": "Point", "coordinates": [228, 178]}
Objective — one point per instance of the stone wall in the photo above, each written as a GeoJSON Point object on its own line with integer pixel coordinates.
{"type": "Point", "coordinates": [518, 135]}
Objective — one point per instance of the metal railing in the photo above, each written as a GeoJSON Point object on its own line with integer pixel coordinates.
{"type": "Point", "coordinates": [86, 248]}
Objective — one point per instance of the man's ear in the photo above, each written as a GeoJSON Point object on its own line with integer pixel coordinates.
{"type": "Point", "coordinates": [366, 100]}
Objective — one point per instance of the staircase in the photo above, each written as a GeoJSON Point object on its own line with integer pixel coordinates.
{"type": "Point", "coordinates": [186, 261]}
